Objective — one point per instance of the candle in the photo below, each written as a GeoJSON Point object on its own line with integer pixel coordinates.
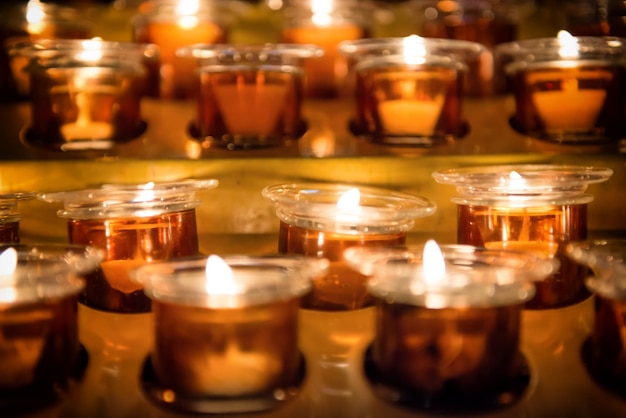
{"type": "Point", "coordinates": [173, 24]}
{"type": "Point", "coordinates": [226, 331]}
{"type": "Point", "coordinates": [604, 351]}
{"type": "Point", "coordinates": [10, 216]}
{"type": "Point", "coordinates": [134, 224]}
{"type": "Point", "coordinates": [448, 324]}
{"type": "Point", "coordinates": [40, 354]}
{"type": "Point", "coordinates": [538, 208]}
{"type": "Point", "coordinates": [249, 95]}
{"type": "Point", "coordinates": [567, 89]}
{"type": "Point", "coordinates": [85, 93]}
{"type": "Point", "coordinates": [409, 90]}
{"type": "Point", "coordinates": [325, 23]}
{"type": "Point", "coordinates": [324, 219]}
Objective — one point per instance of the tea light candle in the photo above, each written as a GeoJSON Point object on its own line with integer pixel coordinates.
{"type": "Point", "coordinates": [448, 324]}
{"type": "Point", "coordinates": [604, 352]}
{"type": "Point", "coordinates": [408, 89]}
{"type": "Point", "coordinates": [250, 95]}
{"type": "Point", "coordinates": [538, 208]}
{"type": "Point", "coordinates": [39, 347]}
{"type": "Point", "coordinates": [566, 88]}
{"type": "Point", "coordinates": [226, 329]}
{"type": "Point", "coordinates": [134, 224]}
{"type": "Point", "coordinates": [322, 220]}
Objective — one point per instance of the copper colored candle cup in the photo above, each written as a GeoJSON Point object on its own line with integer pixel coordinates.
{"type": "Point", "coordinates": [10, 216]}
{"type": "Point", "coordinates": [226, 334]}
{"type": "Point", "coordinates": [604, 352]}
{"type": "Point", "coordinates": [250, 95]}
{"type": "Point", "coordinates": [567, 89]}
{"type": "Point", "coordinates": [41, 357]}
{"type": "Point", "coordinates": [448, 341]}
{"type": "Point", "coordinates": [134, 224]}
{"type": "Point", "coordinates": [170, 25]}
{"type": "Point", "coordinates": [536, 208]}
{"type": "Point", "coordinates": [85, 94]}
{"type": "Point", "coordinates": [409, 91]}
{"type": "Point", "coordinates": [312, 224]}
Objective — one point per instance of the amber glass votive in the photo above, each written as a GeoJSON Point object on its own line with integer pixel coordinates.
{"type": "Point", "coordinates": [537, 208]}
{"type": "Point", "coordinates": [567, 89]}
{"type": "Point", "coordinates": [250, 95]}
{"type": "Point", "coordinates": [41, 356]}
{"type": "Point", "coordinates": [322, 220]}
{"type": "Point", "coordinates": [10, 216]}
{"type": "Point", "coordinates": [604, 353]}
{"type": "Point", "coordinates": [325, 23]}
{"type": "Point", "coordinates": [85, 94]}
{"type": "Point", "coordinates": [448, 324]}
{"type": "Point", "coordinates": [409, 91]}
{"type": "Point", "coordinates": [134, 224]}
{"type": "Point", "coordinates": [226, 331]}
{"type": "Point", "coordinates": [173, 24]}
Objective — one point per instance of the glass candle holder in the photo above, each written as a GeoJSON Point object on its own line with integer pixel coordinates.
{"type": "Point", "coordinates": [10, 216]}
{"type": "Point", "coordinates": [40, 354]}
{"type": "Point", "coordinates": [448, 324]}
{"type": "Point", "coordinates": [538, 208]}
{"type": "Point", "coordinates": [85, 94]}
{"type": "Point", "coordinates": [226, 332]}
{"type": "Point", "coordinates": [409, 91]}
{"type": "Point", "coordinates": [325, 23]}
{"type": "Point", "coordinates": [134, 224]}
{"type": "Point", "coordinates": [604, 351]}
{"type": "Point", "coordinates": [250, 95]}
{"type": "Point", "coordinates": [322, 220]}
{"type": "Point", "coordinates": [173, 24]}
{"type": "Point", "coordinates": [567, 89]}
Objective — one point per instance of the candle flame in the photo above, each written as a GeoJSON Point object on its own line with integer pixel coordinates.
{"type": "Point", "coordinates": [350, 199]}
{"type": "Point", "coordinates": [91, 50]}
{"type": "Point", "coordinates": [414, 49]}
{"type": "Point", "coordinates": [568, 45]}
{"type": "Point", "coordinates": [434, 264]}
{"type": "Point", "coordinates": [35, 17]}
{"type": "Point", "coordinates": [322, 10]}
{"type": "Point", "coordinates": [516, 181]}
{"type": "Point", "coordinates": [8, 264]}
{"type": "Point", "coordinates": [187, 10]}
{"type": "Point", "coordinates": [219, 277]}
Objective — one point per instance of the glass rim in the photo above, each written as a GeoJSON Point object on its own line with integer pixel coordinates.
{"type": "Point", "coordinates": [207, 51]}
{"type": "Point", "coordinates": [49, 48]}
{"type": "Point", "coordinates": [476, 276]}
{"type": "Point", "coordinates": [599, 44]}
{"type": "Point", "coordinates": [262, 279]}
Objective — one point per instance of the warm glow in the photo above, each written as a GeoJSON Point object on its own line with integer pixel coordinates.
{"type": "Point", "coordinates": [321, 10]}
{"type": "Point", "coordinates": [219, 277]}
{"type": "Point", "coordinates": [8, 264]}
{"type": "Point", "coordinates": [92, 50]}
{"type": "Point", "coordinates": [434, 264]}
{"type": "Point", "coordinates": [146, 193]}
{"type": "Point", "coordinates": [35, 17]}
{"type": "Point", "coordinates": [188, 12]}
{"type": "Point", "coordinates": [516, 181]}
{"type": "Point", "coordinates": [568, 45]}
{"type": "Point", "coordinates": [414, 49]}
{"type": "Point", "coordinates": [350, 199]}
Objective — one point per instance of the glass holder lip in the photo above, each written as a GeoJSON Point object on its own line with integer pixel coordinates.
{"type": "Point", "coordinates": [542, 184]}
{"type": "Point", "coordinates": [129, 200]}
{"type": "Point", "coordinates": [314, 206]}
{"type": "Point", "coordinates": [476, 276]}
{"type": "Point", "coordinates": [263, 280]}
{"type": "Point", "coordinates": [240, 53]}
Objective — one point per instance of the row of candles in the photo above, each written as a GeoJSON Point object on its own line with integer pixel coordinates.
{"type": "Point", "coordinates": [226, 329]}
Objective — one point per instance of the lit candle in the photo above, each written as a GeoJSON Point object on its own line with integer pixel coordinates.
{"type": "Point", "coordinates": [249, 95]}
{"type": "Point", "coordinates": [40, 354]}
{"type": "Point", "coordinates": [226, 330]}
{"type": "Point", "coordinates": [448, 324]}
{"type": "Point", "coordinates": [134, 224]}
{"type": "Point", "coordinates": [173, 24]}
{"type": "Point", "coordinates": [323, 220]}
{"type": "Point", "coordinates": [538, 208]}
{"type": "Point", "coordinates": [325, 23]}
{"type": "Point", "coordinates": [604, 353]}
{"type": "Point", "coordinates": [566, 88]}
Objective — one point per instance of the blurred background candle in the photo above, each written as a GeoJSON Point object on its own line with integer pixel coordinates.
{"type": "Point", "coordinates": [226, 332]}
{"type": "Point", "coordinates": [173, 24]}
{"type": "Point", "coordinates": [134, 224]}
{"type": "Point", "coordinates": [567, 89]}
{"type": "Point", "coordinates": [325, 23]}
{"type": "Point", "coordinates": [10, 216]}
{"type": "Point", "coordinates": [537, 208]}
{"type": "Point", "coordinates": [409, 90]}
{"type": "Point", "coordinates": [86, 94]}
{"type": "Point", "coordinates": [250, 96]}
{"type": "Point", "coordinates": [40, 354]}
{"type": "Point", "coordinates": [448, 322]}
{"type": "Point", "coordinates": [604, 353]}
